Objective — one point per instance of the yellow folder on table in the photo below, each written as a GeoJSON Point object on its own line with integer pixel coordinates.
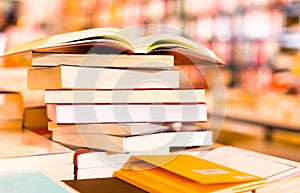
{"type": "Point", "coordinates": [185, 173]}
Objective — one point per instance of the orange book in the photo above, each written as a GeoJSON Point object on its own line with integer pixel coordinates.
{"type": "Point", "coordinates": [185, 173]}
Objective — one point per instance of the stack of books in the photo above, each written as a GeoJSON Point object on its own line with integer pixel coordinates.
{"type": "Point", "coordinates": [106, 90]}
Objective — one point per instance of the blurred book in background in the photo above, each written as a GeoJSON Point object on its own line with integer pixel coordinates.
{"type": "Point", "coordinates": [11, 110]}
{"type": "Point", "coordinates": [27, 151]}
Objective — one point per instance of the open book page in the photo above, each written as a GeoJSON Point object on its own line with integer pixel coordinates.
{"type": "Point", "coordinates": [106, 33]}
{"type": "Point", "coordinates": [258, 164]}
{"type": "Point", "coordinates": [117, 39]}
{"type": "Point", "coordinates": [149, 43]}
{"type": "Point", "coordinates": [77, 37]}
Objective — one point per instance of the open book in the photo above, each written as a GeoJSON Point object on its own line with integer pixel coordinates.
{"type": "Point", "coordinates": [119, 41]}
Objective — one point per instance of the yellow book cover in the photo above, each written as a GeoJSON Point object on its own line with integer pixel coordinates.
{"type": "Point", "coordinates": [185, 173]}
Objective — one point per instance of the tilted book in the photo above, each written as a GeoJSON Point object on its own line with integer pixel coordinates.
{"type": "Point", "coordinates": [156, 143]}
{"type": "Point", "coordinates": [75, 77]}
{"type": "Point", "coordinates": [120, 129]}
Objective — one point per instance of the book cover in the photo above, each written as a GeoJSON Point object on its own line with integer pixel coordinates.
{"type": "Point", "coordinates": [31, 182]}
{"type": "Point", "coordinates": [171, 173]}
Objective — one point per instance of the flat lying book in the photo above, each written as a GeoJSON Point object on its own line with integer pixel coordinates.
{"type": "Point", "coordinates": [101, 60]}
{"type": "Point", "coordinates": [108, 185]}
{"type": "Point", "coordinates": [31, 150]}
{"type": "Point", "coordinates": [126, 113]}
{"type": "Point", "coordinates": [116, 41]}
{"type": "Point", "coordinates": [266, 166]}
{"type": "Point", "coordinates": [75, 77]}
{"type": "Point", "coordinates": [185, 173]}
{"type": "Point", "coordinates": [156, 143]}
{"type": "Point", "coordinates": [32, 182]}
{"type": "Point", "coordinates": [120, 129]}
{"type": "Point", "coordinates": [167, 95]}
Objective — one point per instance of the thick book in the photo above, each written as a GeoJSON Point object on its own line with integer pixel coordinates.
{"type": "Point", "coordinates": [75, 77]}
{"type": "Point", "coordinates": [127, 113]}
{"type": "Point", "coordinates": [167, 95]}
{"type": "Point", "coordinates": [120, 129]}
{"type": "Point", "coordinates": [186, 173]}
{"type": "Point", "coordinates": [101, 60]}
{"type": "Point", "coordinates": [116, 41]}
{"type": "Point", "coordinates": [156, 143]}
{"type": "Point", "coordinates": [105, 185]}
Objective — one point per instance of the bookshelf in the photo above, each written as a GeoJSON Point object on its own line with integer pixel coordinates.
{"type": "Point", "coordinates": [245, 34]}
